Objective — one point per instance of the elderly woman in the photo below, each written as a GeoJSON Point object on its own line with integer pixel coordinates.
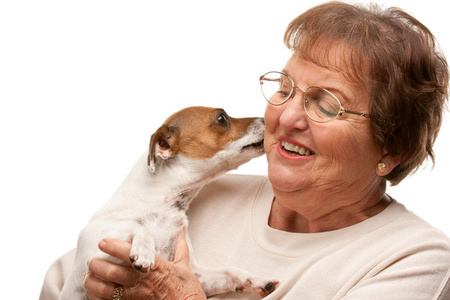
{"type": "Point", "coordinates": [359, 103]}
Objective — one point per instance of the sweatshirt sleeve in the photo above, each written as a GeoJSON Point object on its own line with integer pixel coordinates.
{"type": "Point", "coordinates": [56, 276]}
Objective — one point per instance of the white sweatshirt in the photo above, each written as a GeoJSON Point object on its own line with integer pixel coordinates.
{"type": "Point", "coordinates": [393, 255]}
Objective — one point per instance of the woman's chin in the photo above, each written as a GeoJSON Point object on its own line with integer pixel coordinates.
{"type": "Point", "coordinates": [285, 179]}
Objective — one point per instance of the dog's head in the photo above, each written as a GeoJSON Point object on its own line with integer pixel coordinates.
{"type": "Point", "coordinates": [201, 133]}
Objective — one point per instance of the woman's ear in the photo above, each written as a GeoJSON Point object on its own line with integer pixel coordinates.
{"type": "Point", "coordinates": [386, 164]}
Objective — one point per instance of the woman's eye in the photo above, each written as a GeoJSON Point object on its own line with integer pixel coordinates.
{"type": "Point", "coordinates": [283, 93]}
{"type": "Point", "coordinates": [326, 111]}
{"type": "Point", "coordinates": [327, 108]}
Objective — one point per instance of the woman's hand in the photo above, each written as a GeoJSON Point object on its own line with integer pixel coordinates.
{"type": "Point", "coordinates": [166, 280]}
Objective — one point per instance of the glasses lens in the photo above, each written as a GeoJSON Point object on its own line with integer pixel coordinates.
{"type": "Point", "coordinates": [276, 87]}
{"type": "Point", "coordinates": [320, 105]}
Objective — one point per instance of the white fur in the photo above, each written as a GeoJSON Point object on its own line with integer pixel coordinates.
{"type": "Point", "coordinates": [149, 210]}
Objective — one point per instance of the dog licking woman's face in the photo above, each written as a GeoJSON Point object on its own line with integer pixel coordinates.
{"type": "Point", "coordinates": [201, 132]}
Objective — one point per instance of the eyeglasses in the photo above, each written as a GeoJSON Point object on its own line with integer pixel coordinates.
{"type": "Point", "coordinates": [320, 104]}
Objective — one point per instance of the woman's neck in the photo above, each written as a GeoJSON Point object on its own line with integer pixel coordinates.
{"type": "Point", "coordinates": [287, 216]}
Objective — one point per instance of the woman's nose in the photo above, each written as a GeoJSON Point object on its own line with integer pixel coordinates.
{"type": "Point", "coordinates": [294, 115]}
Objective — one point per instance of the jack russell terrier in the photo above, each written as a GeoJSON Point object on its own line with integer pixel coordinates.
{"type": "Point", "coordinates": [192, 147]}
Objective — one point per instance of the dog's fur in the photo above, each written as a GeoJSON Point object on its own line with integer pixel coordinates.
{"type": "Point", "coordinates": [191, 148]}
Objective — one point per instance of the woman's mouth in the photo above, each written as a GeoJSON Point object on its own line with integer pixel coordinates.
{"type": "Point", "coordinates": [295, 149]}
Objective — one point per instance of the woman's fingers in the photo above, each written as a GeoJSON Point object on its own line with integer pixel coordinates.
{"type": "Point", "coordinates": [166, 280]}
{"type": "Point", "coordinates": [98, 289]}
{"type": "Point", "coordinates": [109, 271]}
{"type": "Point", "coordinates": [182, 250]}
{"type": "Point", "coordinates": [121, 249]}
{"type": "Point", "coordinates": [116, 248]}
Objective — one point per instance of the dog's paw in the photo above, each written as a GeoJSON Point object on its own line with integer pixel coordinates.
{"type": "Point", "coordinates": [263, 287]}
{"type": "Point", "coordinates": [142, 254]}
{"type": "Point", "coordinates": [142, 261]}
{"type": "Point", "coordinates": [225, 280]}
{"type": "Point", "coordinates": [143, 250]}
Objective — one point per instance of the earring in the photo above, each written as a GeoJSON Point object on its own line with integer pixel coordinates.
{"type": "Point", "coordinates": [381, 167]}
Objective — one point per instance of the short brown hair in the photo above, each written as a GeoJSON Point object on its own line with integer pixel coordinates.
{"type": "Point", "coordinates": [396, 58]}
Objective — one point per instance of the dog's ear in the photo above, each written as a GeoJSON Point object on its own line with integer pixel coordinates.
{"type": "Point", "coordinates": [161, 145]}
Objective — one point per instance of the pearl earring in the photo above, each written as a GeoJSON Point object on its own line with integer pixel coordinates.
{"type": "Point", "coordinates": [381, 167]}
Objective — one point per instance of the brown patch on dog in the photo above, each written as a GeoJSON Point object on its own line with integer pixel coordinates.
{"type": "Point", "coordinates": [198, 132]}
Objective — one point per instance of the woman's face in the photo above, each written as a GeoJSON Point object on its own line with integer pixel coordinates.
{"type": "Point", "coordinates": [341, 157]}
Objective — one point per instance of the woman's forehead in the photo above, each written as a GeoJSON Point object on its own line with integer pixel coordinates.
{"type": "Point", "coordinates": [336, 56]}
{"type": "Point", "coordinates": [311, 73]}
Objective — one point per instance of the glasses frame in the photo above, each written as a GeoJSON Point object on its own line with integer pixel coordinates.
{"type": "Point", "coordinates": [291, 95]}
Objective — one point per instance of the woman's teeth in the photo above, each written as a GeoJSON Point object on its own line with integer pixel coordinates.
{"type": "Point", "coordinates": [296, 149]}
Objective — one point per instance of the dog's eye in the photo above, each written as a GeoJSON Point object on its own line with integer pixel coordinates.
{"type": "Point", "coordinates": [222, 119]}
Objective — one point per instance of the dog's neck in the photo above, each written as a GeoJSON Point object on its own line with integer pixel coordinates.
{"type": "Point", "coordinates": [175, 182]}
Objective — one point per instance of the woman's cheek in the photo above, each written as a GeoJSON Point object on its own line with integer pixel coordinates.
{"type": "Point", "coordinates": [272, 117]}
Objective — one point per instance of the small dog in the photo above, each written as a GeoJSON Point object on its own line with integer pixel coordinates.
{"type": "Point", "coordinates": [191, 148]}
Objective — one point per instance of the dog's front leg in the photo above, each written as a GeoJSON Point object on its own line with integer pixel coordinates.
{"type": "Point", "coordinates": [219, 281]}
{"type": "Point", "coordinates": [143, 249]}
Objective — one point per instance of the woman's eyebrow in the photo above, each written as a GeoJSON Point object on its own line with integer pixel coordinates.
{"type": "Point", "coordinates": [343, 98]}
{"type": "Point", "coordinates": [339, 94]}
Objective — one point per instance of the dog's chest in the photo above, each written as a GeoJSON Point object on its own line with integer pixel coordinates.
{"type": "Point", "coordinates": [164, 226]}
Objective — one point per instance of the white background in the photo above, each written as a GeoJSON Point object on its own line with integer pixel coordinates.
{"type": "Point", "coordinates": [83, 84]}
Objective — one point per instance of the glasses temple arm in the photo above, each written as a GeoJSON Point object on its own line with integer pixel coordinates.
{"type": "Point", "coordinates": [354, 113]}
{"type": "Point", "coordinates": [268, 79]}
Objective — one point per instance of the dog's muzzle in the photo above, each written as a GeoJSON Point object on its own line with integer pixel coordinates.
{"type": "Point", "coordinates": [257, 145]}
